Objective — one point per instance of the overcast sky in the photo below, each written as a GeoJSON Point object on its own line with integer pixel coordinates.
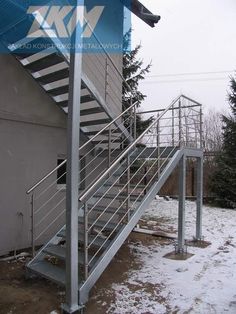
{"type": "Point", "coordinates": [193, 36]}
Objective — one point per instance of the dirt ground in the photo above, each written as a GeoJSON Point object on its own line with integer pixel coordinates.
{"type": "Point", "coordinates": [19, 295]}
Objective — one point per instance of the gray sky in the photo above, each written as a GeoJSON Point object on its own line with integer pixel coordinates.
{"type": "Point", "coordinates": [192, 36]}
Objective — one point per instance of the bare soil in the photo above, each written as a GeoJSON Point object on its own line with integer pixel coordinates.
{"type": "Point", "coordinates": [19, 295]}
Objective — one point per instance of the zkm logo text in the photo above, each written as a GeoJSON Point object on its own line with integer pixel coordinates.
{"type": "Point", "coordinates": [49, 21]}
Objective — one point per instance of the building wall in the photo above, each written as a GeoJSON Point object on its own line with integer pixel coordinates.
{"type": "Point", "coordinates": [32, 136]}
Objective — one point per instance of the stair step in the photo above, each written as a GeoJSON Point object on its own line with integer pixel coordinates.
{"type": "Point", "coordinates": [60, 252]}
{"type": "Point", "coordinates": [106, 141]}
{"type": "Point", "coordinates": [89, 111]}
{"type": "Point", "coordinates": [62, 100]}
{"type": "Point", "coordinates": [45, 62]}
{"type": "Point", "coordinates": [52, 73]}
{"type": "Point", "coordinates": [132, 186]}
{"type": "Point", "coordinates": [106, 132]}
{"type": "Point", "coordinates": [49, 271]}
{"type": "Point", "coordinates": [53, 77]}
{"type": "Point", "coordinates": [109, 210]}
{"type": "Point", "coordinates": [97, 243]}
{"type": "Point", "coordinates": [58, 91]}
{"type": "Point", "coordinates": [121, 197]}
{"type": "Point", "coordinates": [94, 122]}
{"type": "Point", "coordinates": [99, 224]}
{"type": "Point", "coordinates": [37, 56]}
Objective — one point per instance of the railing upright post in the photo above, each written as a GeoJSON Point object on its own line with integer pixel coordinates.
{"type": "Point", "coordinates": [106, 79]}
{"type": "Point", "coordinates": [201, 128]}
{"type": "Point", "coordinates": [180, 125]}
{"type": "Point", "coordinates": [135, 121]}
{"type": "Point", "coordinates": [173, 126]}
{"type": "Point", "coordinates": [109, 147]}
{"type": "Point", "coordinates": [32, 225]}
{"type": "Point", "coordinates": [128, 188]}
{"type": "Point", "coordinates": [85, 241]}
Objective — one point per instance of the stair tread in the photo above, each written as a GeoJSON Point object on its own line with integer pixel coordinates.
{"type": "Point", "coordinates": [46, 62]}
{"type": "Point", "coordinates": [118, 197]}
{"type": "Point", "coordinates": [100, 223]}
{"type": "Point", "coordinates": [109, 210]}
{"type": "Point", "coordinates": [60, 252]}
{"type": "Point", "coordinates": [98, 242]}
{"type": "Point", "coordinates": [106, 132]}
{"type": "Point", "coordinates": [94, 122]}
{"type": "Point", "coordinates": [49, 271]}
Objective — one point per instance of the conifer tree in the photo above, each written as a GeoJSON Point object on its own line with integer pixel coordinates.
{"type": "Point", "coordinates": [134, 72]}
{"type": "Point", "coordinates": [224, 178]}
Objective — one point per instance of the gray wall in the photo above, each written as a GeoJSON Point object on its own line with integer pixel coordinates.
{"type": "Point", "coordinates": [32, 136]}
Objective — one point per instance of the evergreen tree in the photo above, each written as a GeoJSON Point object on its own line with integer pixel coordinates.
{"type": "Point", "coordinates": [134, 72]}
{"type": "Point", "coordinates": [224, 178]}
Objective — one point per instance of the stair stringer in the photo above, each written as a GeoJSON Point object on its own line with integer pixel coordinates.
{"type": "Point", "coordinates": [126, 230]}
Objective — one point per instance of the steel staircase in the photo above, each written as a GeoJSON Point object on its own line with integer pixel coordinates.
{"type": "Point", "coordinates": [111, 206]}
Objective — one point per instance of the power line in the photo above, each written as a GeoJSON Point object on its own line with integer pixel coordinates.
{"type": "Point", "coordinates": [185, 80]}
{"type": "Point", "coordinates": [191, 73]}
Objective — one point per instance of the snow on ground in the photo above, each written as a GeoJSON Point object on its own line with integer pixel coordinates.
{"type": "Point", "coordinates": [205, 283]}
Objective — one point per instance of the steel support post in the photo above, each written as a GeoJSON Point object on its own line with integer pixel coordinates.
{"type": "Point", "coordinates": [173, 126]}
{"type": "Point", "coordinates": [32, 226]}
{"type": "Point", "coordinates": [72, 189]}
{"type": "Point", "coordinates": [128, 188]}
{"type": "Point", "coordinates": [201, 130]}
{"type": "Point", "coordinates": [199, 198]}
{"type": "Point", "coordinates": [182, 195]}
{"type": "Point", "coordinates": [86, 261]}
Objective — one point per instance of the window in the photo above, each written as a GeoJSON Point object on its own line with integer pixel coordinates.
{"type": "Point", "coordinates": [61, 172]}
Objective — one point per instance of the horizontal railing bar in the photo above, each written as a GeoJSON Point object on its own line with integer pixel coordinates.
{"type": "Point", "coordinates": [160, 110]}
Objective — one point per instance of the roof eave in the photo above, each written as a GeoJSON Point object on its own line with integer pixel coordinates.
{"type": "Point", "coordinates": [142, 12]}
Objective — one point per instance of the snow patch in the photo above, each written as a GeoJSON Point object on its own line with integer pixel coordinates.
{"type": "Point", "coordinates": [205, 283]}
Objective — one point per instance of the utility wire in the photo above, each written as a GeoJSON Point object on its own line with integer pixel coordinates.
{"type": "Point", "coordinates": [191, 73]}
{"type": "Point", "coordinates": [185, 80]}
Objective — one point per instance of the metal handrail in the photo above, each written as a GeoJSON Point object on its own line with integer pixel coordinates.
{"type": "Point", "coordinates": [82, 147]}
{"type": "Point", "coordinates": [86, 193]}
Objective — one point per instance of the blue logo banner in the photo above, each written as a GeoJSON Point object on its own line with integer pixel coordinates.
{"type": "Point", "coordinates": [38, 25]}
